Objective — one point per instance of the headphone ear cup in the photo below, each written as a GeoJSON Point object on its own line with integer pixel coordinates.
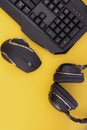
{"type": "Point", "coordinates": [61, 99]}
{"type": "Point", "coordinates": [68, 73]}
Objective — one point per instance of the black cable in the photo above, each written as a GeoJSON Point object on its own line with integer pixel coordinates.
{"type": "Point", "coordinates": [82, 67]}
{"type": "Point", "coordinates": [76, 119]}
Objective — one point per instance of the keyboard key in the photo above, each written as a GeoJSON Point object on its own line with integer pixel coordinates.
{"type": "Point", "coordinates": [66, 20]}
{"type": "Point", "coordinates": [57, 40]}
{"type": "Point", "coordinates": [13, 1]}
{"type": "Point", "coordinates": [60, 5]}
{"type": "Point", "coordinates": [37, 20]}
{"type": "Point", "coordinates": [62, 16]}
{"type": "Point", "coordinates": [32, 16]}
{"type": "Point", "coordinates": [62, 34]}
{"type": "Point", "coordinates": [53, 25]}
{"type": "Point", "coordinates": [51, 6]}
{"type": "Point", "coordinates": [74, 32]}
{"type": "Point", "coordinates": [36, 1]}
{"type": "Point", "coordinates": [71, 16]}
{"type": "Point", "coordinates": [46, 2]}
{"type": "Point", "coordinates": [65, 1]}
{"type": "Point", "coordinates": [57, 30]}
{"type": "Point", "coordinates": [67, 30]}
{"type": "Point", "coordinates": [29, 3]}
{"type": "Point", "coordinates": [20, 4]}
{"type": "Point", "coordinates": [42, 15]}
{"type": "Point", "coordinates": [75, 20]}
{"type": "Point", "coordinates": [50, 33]}
{"type": "Point", "coordinates": [42, 25]}
{"type": "Point", "coordinates": [55, 1]}
{"type": "Point", "coordinates": [57, 21]}
{"type": "Point", "coordinates": [80, 25]}
{"type": "Point", "coordinates": [64, 42]}
{"type": "Point", "coordinates": [71, 25]}
{"type": "Point", "coordinates": [26, 10]}
{"type": "Point", "coordinates": [56, 11]}
{"type": "Point", "coordinates": [62, 25]}
{"type": "Point", "coordinates": [66, 11]}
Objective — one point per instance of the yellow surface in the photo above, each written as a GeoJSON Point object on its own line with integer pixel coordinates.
{"type": "Point", "coordinates": [24, 101]}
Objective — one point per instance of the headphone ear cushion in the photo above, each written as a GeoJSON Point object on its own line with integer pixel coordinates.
{"type": "Point", "coordinates": [61, 99]}
{"type": "Point", "coordinates": [68, 73]}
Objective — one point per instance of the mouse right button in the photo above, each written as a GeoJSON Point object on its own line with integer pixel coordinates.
{"type": "Point", "coordinates": [19, 41]}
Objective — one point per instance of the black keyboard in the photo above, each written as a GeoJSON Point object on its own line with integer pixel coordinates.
{"type": "Point", "coordinates": [54, 24]}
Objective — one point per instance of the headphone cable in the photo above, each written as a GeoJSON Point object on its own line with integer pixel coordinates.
{"type": "Point", "coordinates": [76, 119]}
{"type": "Point", "coordinates": [82, 67]}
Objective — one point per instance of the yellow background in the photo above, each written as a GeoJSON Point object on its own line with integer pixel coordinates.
{"type": "Point", "coordinates": [24, 103]}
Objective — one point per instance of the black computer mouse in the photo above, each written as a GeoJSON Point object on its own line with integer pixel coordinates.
{"type": "Point", "coordinates": [18, 52]}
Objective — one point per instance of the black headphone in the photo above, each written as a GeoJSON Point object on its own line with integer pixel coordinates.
{"type": "Point", "coordinates": [58, 96]}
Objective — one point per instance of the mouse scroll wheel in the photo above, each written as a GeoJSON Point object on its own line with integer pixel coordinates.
{"type": "Point", "coordinates": [30, 64]}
